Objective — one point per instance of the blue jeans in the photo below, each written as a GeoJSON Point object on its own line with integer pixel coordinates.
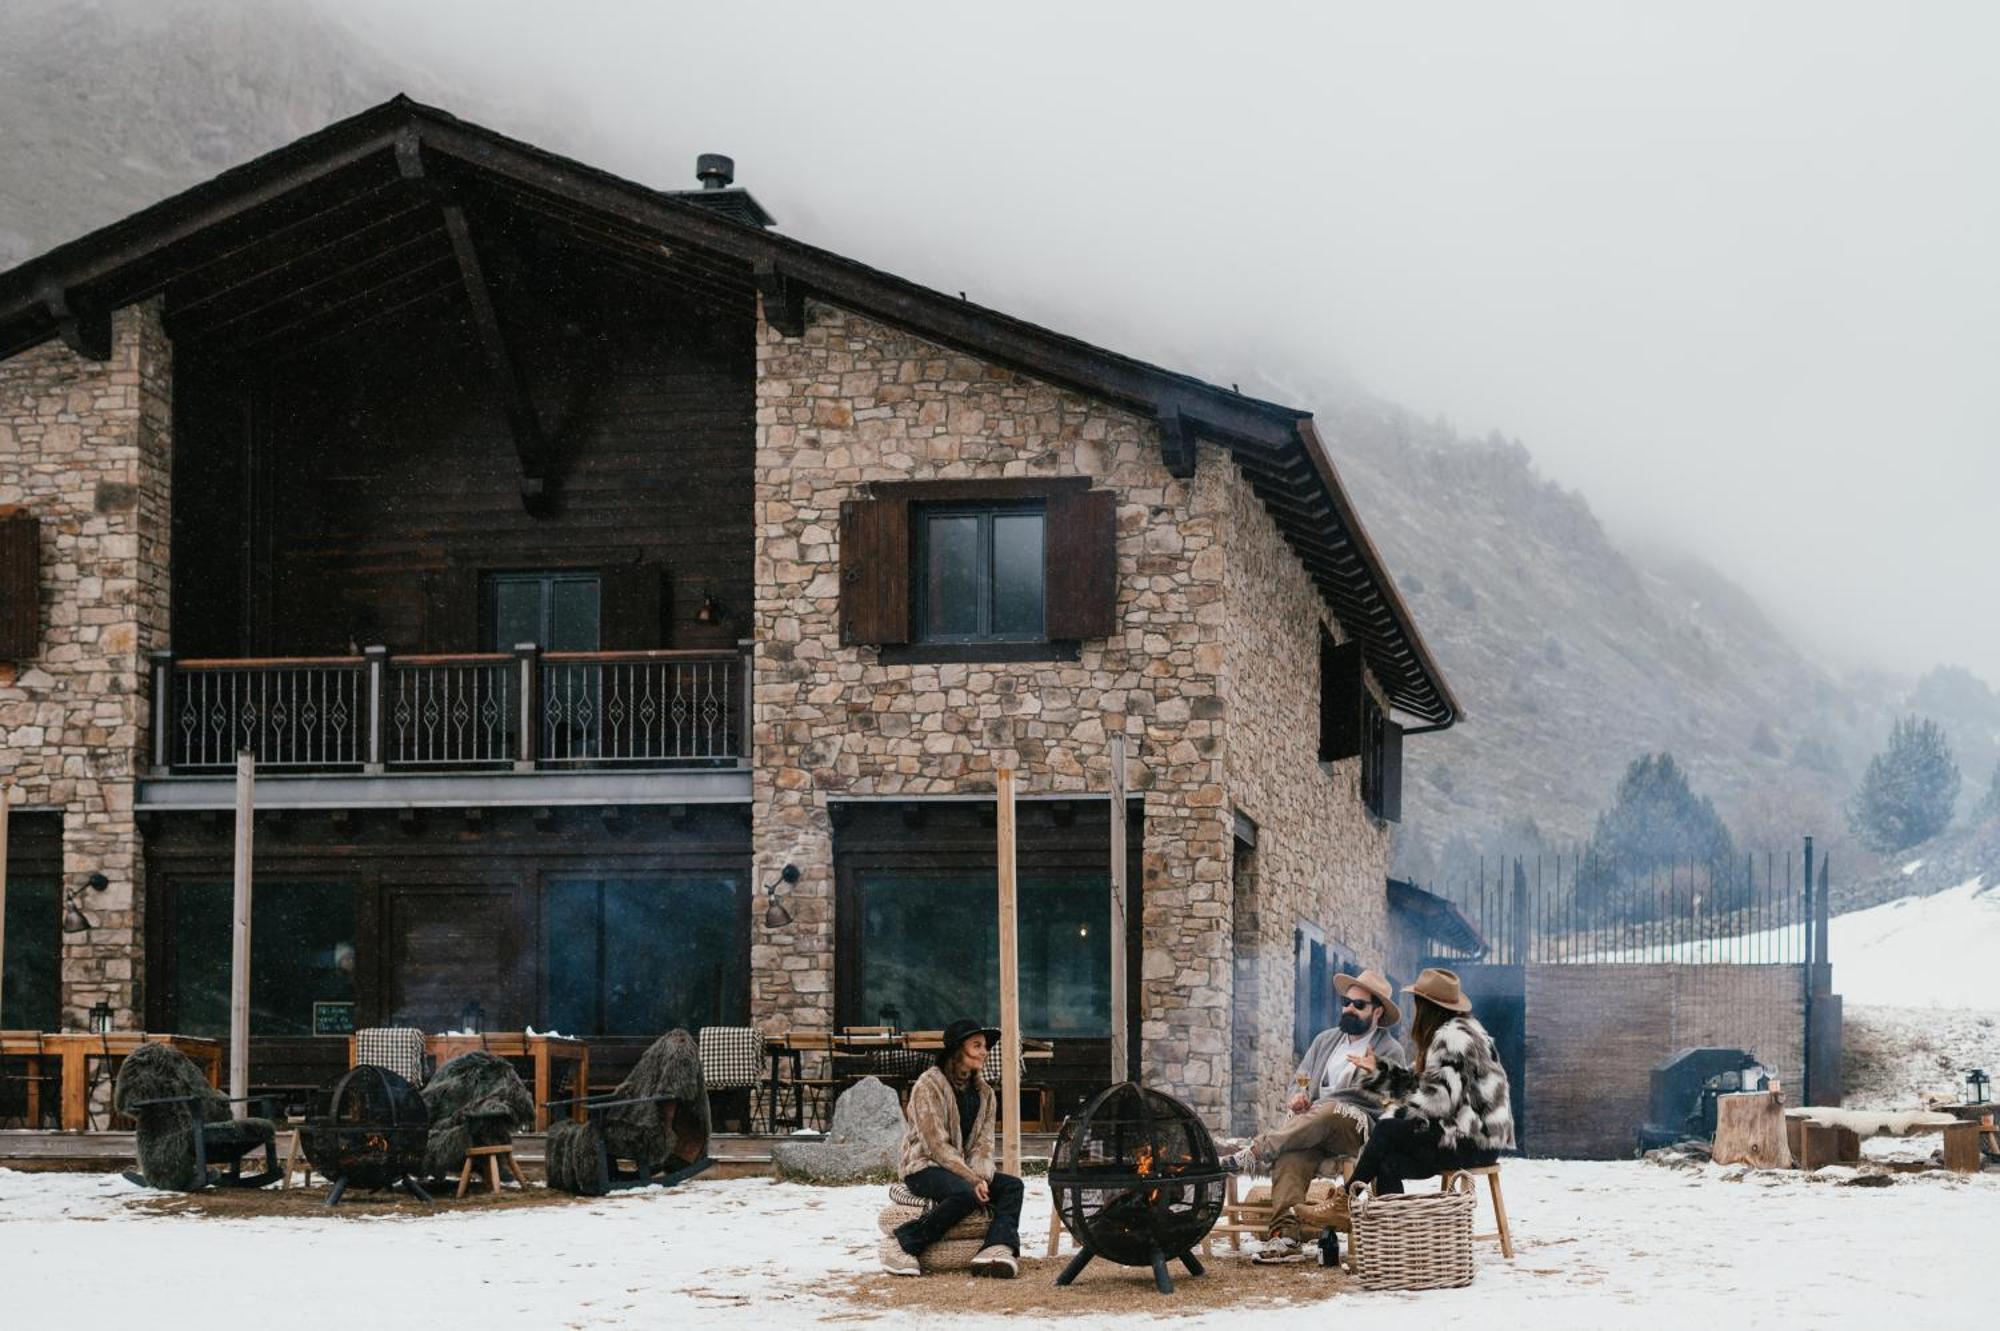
{"type": "Point", "coordinates": [953, 1201]}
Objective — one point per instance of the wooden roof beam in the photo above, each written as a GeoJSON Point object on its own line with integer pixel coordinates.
{"type": "Point", "coordinates": [784, 299]}
{"type": "Point", "coordinates": [82, 323]}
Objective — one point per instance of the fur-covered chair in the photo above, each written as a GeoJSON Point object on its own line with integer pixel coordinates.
{"type": "Point", "coordinates": [658, 1118]}
{"type": "Point", "coordinates": [477, 1099]}
{"type": "Point", "coordinates": [185, 1124]}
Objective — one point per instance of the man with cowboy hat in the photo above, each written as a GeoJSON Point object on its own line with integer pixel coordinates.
{"type": "Point", "coordinates": [1332, 1108]}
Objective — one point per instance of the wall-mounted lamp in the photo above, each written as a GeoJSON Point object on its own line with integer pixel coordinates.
{"type": "Point", "coordinates": [74, 921]}
{"type": "Point", "coordinates": [776, 916]}
{"type": "Point", "coordinates": [711, 609]}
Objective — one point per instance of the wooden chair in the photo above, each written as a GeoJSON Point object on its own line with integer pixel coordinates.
{"type": "Point", "coordinates": [1249, 1214]}
{"type": "Point", "coordinates": [732, 1068]}
{"type": "Point", "coordinates": [816, 1087]}
{"type": "Point", "coordinates": [1492, 1175]}
{"type": "Point", "coordinates": [295, 1162]}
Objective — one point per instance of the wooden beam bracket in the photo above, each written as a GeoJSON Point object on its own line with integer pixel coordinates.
{"type": "Point", "coordinates": [784, 299]}
{"type": "Point", "coordinates": [84, 327]}
{"type": "Point", "coordinates": [1177, 443]}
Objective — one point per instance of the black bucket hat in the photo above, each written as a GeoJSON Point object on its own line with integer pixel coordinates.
{"type": "Point", "coordinates": [962, 1030]}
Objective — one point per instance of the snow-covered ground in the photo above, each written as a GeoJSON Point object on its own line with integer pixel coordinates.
{"type": "Point", "coordinates": [1600, 1244]}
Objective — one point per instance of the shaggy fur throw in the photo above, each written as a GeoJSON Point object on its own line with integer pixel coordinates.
{"type": "Point", "coordinates": [662, 1136]}
{"type": "Point", "coordinates": [166, 1132]}
{"type": "Point", "coordinates": [477, 1099]}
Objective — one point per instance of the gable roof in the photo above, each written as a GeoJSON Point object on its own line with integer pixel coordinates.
{"type": "Point", "coordinates": [307, 185]}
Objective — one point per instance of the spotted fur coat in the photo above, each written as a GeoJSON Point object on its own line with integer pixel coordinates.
{"type": "Point", "coordinates": [1463, 1089]}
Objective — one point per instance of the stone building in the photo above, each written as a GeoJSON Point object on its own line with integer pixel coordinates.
{"type": "Point", "coordinates": [628, 608]}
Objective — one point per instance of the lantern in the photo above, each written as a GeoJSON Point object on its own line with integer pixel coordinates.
{"type": "Point", "coordinates": [472, 1019]}
{"type": "Point", "coordinates": [1976, 1083]}
{"type": "Point", "coordinates": [100, 1018]}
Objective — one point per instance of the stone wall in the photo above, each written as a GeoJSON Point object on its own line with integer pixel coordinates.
{"type": "Point", "coordinates": [86, 448]}
{"type": "Point", "coordinates": [1321, 858]}
{"type": "Point", "coordinates": [855, 401]}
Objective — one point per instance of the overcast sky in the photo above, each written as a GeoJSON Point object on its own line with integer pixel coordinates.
{"type": "Point", "coordinates": [1728, 269]}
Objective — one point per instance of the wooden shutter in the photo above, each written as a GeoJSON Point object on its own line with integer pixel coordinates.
{"type": "Point", "coordinates": [20, 586]}
{"type": "Point", "coordinates": [453, 611]}
{"type": "Point", "coordinates": [1342, 695]}
{"type": "Point", "coordinates": [631, 609]}
{"type": "Point", "coordinates": [875, 571]}
{"type": "Point", "coordinates": [1080, 565]}
{"type": "Point", "coordinates": [1391, 779]}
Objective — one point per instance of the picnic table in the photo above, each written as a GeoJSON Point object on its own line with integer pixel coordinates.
{"type": "Point", "coordinates": [544, 1051]}
{"type": "Point", "coordinates": [73, 1051]}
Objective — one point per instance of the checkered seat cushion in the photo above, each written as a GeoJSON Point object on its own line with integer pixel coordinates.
{"type": "Point", "coordinates": [397, 1048]}
{"type": "Point", "coordinates": [731, 1057]}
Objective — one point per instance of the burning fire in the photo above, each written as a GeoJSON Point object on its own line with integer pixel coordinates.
{"type": "Point", "coordinates": [1144, 1168]}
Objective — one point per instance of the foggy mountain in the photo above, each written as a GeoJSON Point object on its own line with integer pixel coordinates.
{"type": "Point", "coordinates": [1571, 654]}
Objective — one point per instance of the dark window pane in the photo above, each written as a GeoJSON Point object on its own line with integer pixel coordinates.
{"type": "Point", "coordinates": [301, 953]}
{"type": "Point", "coordinates": [930, 949]}
{"type": "Point", "coordinates": [573, 615]}
{"type": "Point", "coordinates": [34, 953]}
{"type": "Point", "coordinates": [517, 612]}
{"type": "Point", "coordinates": [1017, 575]}
{"type": "Point", "coordinates": [649, 956]}
{"type": "Point", "coordinates": [951, 575]}
{"type": "Point", "coordinates": [572, 960]}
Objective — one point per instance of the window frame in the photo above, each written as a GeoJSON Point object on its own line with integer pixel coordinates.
{"type": "Point", "coordinates": [985, 512]}
{"type": "Point", "coordinates": [489, 601]}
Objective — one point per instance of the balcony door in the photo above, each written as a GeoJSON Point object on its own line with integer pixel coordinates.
{"type": "Point", "coordinates": [558, 612]}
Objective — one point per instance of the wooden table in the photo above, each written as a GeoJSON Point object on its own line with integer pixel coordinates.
{"type": "Point", "coordinates": [545, 1051]}
{"type": "Point", "coordinates": [75, 1049]}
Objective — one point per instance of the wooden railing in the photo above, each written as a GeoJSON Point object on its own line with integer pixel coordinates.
{"type": "Point", "coordinates": [522, 710]}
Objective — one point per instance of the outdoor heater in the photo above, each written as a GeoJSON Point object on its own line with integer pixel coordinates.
{"type": "Point", "coordinates": [1136, 1179]}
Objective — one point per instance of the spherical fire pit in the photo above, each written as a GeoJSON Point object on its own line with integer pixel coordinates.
{"type": "Point", "coordinates": [369, 1133]}
{"type": "Point", "coordinates": [1136, 1179]}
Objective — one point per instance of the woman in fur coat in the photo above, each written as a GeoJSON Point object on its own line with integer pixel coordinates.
{"type": "Point", "coordinates": [1449, 1109]}
{"type": "Point", "coordinates": [947, 1159]}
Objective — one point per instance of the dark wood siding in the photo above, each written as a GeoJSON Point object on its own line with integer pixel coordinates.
{"type": "Point", "coordinates": [875, 571]}
{"type": "Point", "coordinates": [20, 586]}
{"type": "Point", "coordinates": [1080, 561]}
{"type": "Point", "coordinates": [393, 481]}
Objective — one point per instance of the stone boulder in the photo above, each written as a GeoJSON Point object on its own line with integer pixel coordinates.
{"type": "Point", "coordinates": [861, 1145]}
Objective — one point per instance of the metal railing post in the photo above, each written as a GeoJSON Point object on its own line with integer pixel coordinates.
{"type": "Point", "coordinates": [525, 658]}
{"type": "Point", "coordinates": [163, 683]}
{"type": "Point", "coordinates": [745, 648]}
{"type": "Point", "coordinates": [378, 710]}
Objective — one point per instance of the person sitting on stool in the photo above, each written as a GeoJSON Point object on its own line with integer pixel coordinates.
{"type": "Point", "coordinates": [948, 1159]}
{"type": "Point", "coordinates": [1449, 1109]}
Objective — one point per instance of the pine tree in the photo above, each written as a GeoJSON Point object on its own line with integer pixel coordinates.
{"type": "Point", "coordinates": [1907, 793]}
{"type": "Point", "coordinates": [1656, 823]}
{"type": "Point", "coordinates": [1989, 803]}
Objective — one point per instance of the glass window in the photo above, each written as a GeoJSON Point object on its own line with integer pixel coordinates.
{"type": "Point", "coordinates": [981, 574]}
{"type": "Point", "coordinates": [31, 1000]}
{"type": "Point", "coordinates": [642, 957]}
{"type": "Point", "coordinates": [557, 611]}
{"type": "Point", "coordinates": [930, 949]}
{"type": "Point", "coordinates": [301, 953]}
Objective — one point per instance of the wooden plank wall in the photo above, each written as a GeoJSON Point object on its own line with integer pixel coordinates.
{"type": "Point", "coordinates": [379, 479]}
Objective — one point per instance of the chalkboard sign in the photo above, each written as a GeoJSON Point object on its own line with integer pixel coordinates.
{"type": "Point", "coordinates": [333, 1018]}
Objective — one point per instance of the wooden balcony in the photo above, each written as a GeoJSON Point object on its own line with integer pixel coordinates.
{"type": "Point", "coordinates": [519, 711]}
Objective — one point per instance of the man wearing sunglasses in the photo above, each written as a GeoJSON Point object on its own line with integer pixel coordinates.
{"type": "Point", "coordinates": [1331, 1114]}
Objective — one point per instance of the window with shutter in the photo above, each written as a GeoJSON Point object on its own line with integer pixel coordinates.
{"type": "Point", "coordinates": [20, 587]}
{"type": "Point", "coordinates": [1342, 696]}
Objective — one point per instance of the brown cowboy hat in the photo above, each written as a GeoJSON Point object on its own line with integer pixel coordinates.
{"type": "Point", "coordinates": [1377, 984]}
{"type": "Point", "coordinates": [1440, 986]}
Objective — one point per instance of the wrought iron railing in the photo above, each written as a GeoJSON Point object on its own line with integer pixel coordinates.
{"type": "Point", "coordinates": [522, 711]}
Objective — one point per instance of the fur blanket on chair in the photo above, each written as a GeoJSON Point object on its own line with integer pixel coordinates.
{"type": "Point", "coordinates": [477, 1099]}
{"type": "Point", "coordinates": [663, 1137]}
{"type": "Point", "coordinates": [166, 1132]}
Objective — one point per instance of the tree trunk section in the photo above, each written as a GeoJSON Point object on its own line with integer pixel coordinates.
{"type": "Point", "coordinates": [1750, 1130]}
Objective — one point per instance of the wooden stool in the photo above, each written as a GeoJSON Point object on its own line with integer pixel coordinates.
{"type": "Point", "coordinates": [492, 1155]}
{"type": "Point", "coordinates": [295, 1160]}
{"type": "Point", "coordinates": [1492, 1173]}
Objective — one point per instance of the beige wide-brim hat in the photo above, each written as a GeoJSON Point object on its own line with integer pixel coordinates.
{"type": "Point", "coordinates": [1377, 984]}
{"type": "Point", "coordinates": [1440, 986]}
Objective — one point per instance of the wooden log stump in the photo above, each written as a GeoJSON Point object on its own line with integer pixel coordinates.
{"type": "Point", "coordinates": [1750, 1129]}
{"type": "Point", "coordinates": [1961, 1148]}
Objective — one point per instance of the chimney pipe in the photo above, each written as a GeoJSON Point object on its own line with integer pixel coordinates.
{"type": "Point", "coordinates": [715, 170]}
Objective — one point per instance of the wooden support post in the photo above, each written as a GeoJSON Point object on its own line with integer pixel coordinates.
{"type": "Point", "coordinates": [239, 956]}
{"type": "Point", "coordinates": [1121, 1055]}
{"type": "Point", "coordinates": [1010, 982]}
{"type": "Point", "coordinates": [6, 800]}
{"type": "Point", "coordinates": [1750, 1129]}
{"type": "Point", "coordinates": [1961, 1148]}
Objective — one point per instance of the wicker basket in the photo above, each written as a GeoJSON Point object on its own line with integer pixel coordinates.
{"type": "Point", "coordinates": [1421, 1241]}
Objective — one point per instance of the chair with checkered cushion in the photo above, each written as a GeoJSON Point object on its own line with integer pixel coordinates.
{"type": "Point", "coordinates": [1044, 1097]}
{"type": "Point", "coordinates": [732, 1062]}
{"type": "Point", "coordinates": [400, 1049]}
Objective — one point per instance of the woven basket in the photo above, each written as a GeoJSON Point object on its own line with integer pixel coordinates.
{"type": "Point", "coordinates": [890, 1218]}
{"type": "Point", "coordinates": [1413, 1241]}
{"type": "Point", "coordinates": [949, 1255]}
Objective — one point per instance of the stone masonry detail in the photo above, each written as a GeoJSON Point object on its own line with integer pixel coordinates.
{"type": "Point", "coordinates": [86, 448]}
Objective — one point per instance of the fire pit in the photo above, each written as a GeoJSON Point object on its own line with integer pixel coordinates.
{"type": "Point", "coordinates": [1136, 1180]}
{"type": "Point", "coordinates": [369, 1133]}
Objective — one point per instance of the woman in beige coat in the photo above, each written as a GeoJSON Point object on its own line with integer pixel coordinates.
{"type": "Point", "coordinates": [947, 1159]}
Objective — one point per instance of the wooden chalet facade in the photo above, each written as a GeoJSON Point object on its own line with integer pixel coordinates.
{"type": "Point", "coordinates": [575, 556]}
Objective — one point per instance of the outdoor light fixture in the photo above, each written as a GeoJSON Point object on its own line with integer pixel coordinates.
{"type": "Point", "coordinates": [775, 914]}
{"type": "Point", "coordinates": [74, 921]}
{"type": "Point", "coordinates": [472, 1019]}
{"type": "Point", "coordinates": [100, 1018]}
{"type": "Point", "coordinates": [1976, 1083]}
{"type": "Point", "coordinates": [711, 609]}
